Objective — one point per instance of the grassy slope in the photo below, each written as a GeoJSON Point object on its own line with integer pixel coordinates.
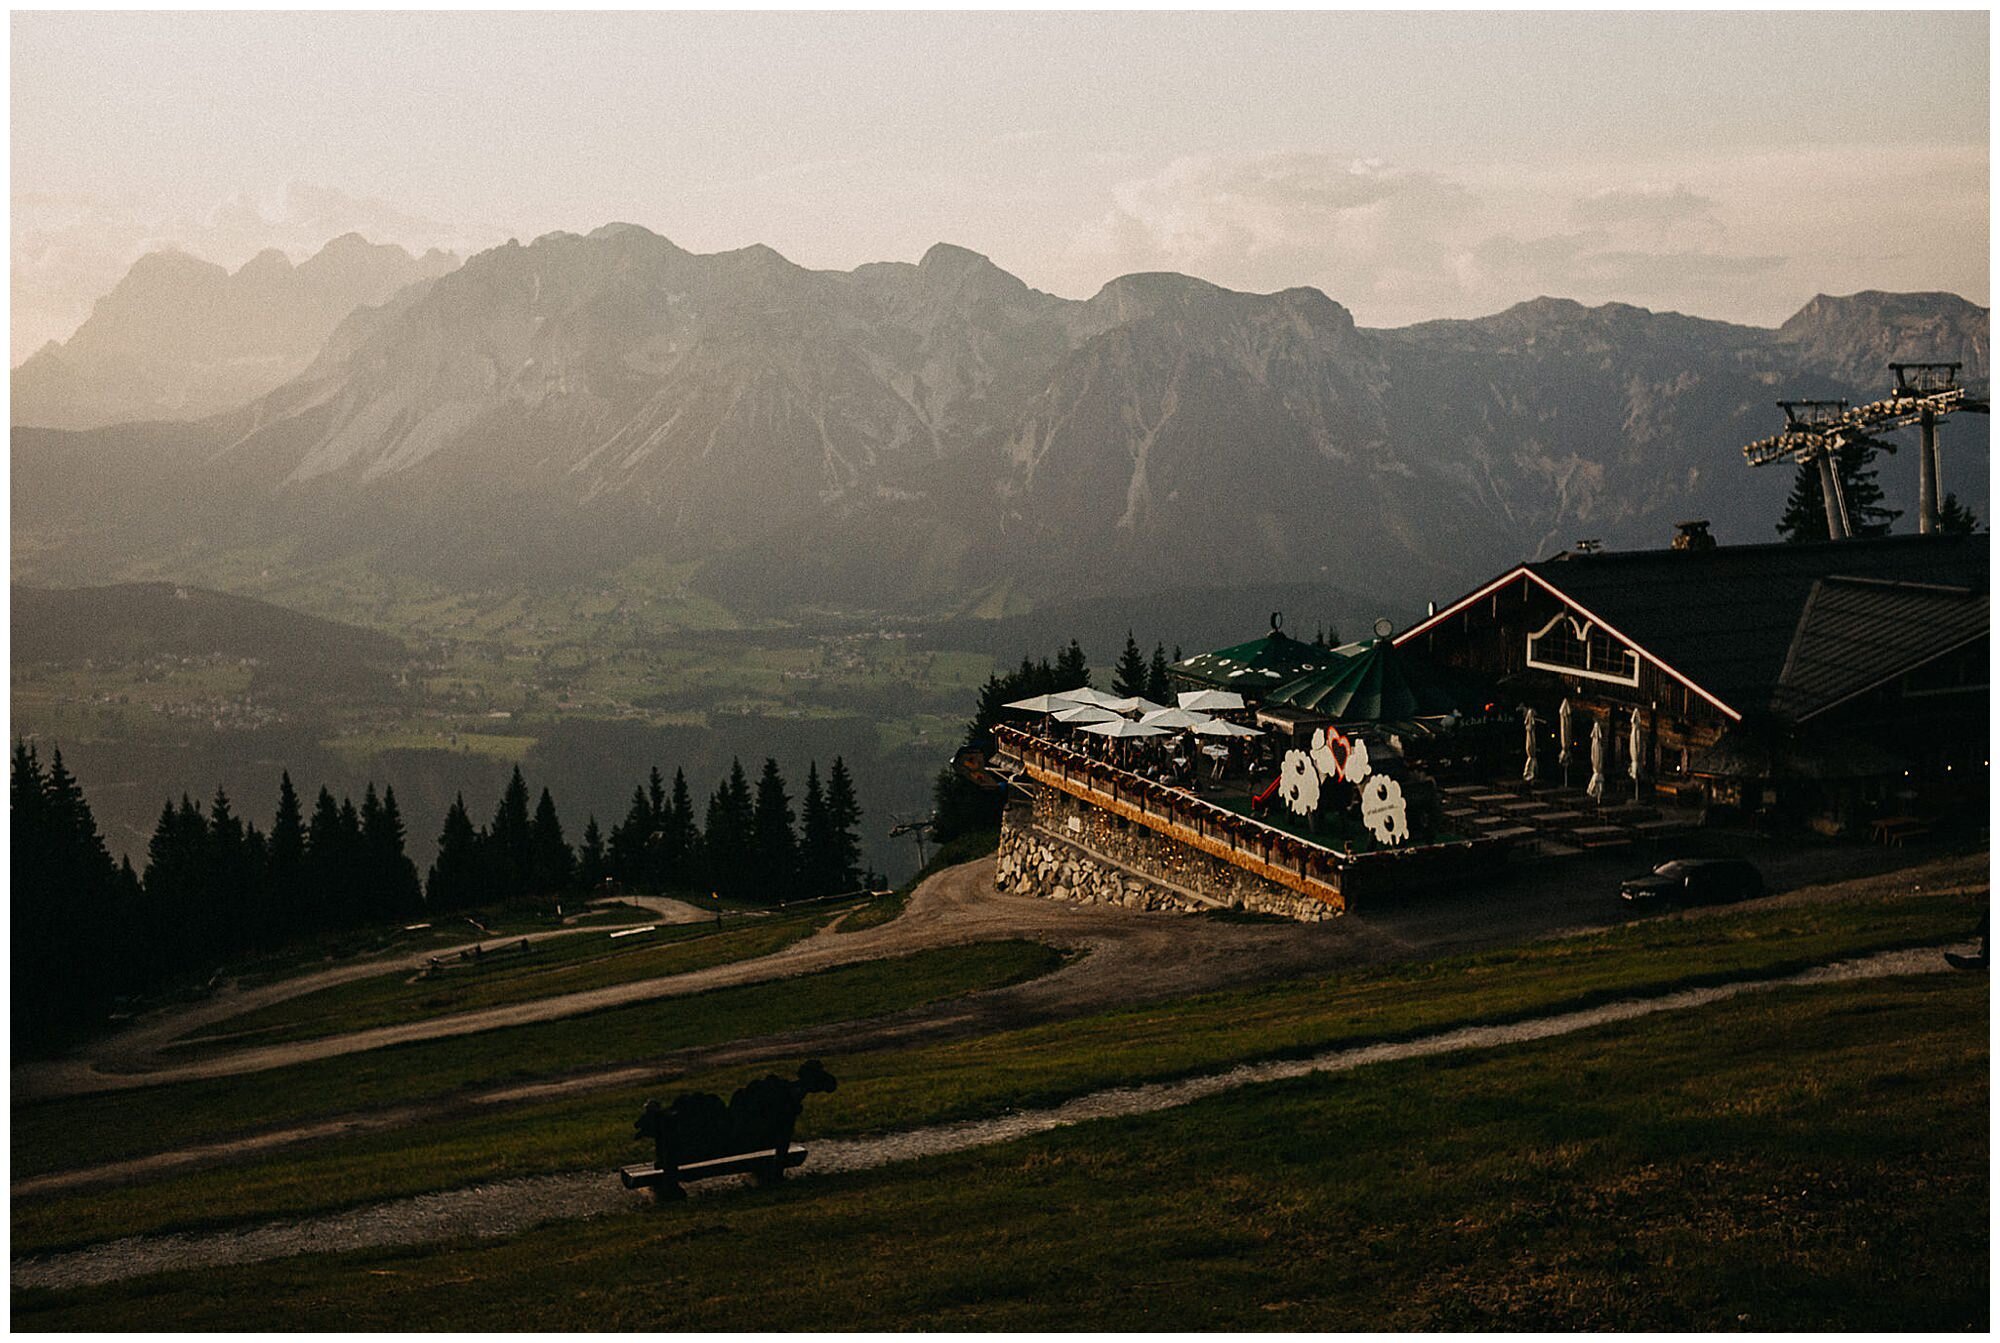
{"type": "Point", "coordinates": [891, 1088]}
{"type": "Point", "coordinates": [565, 965]}
{"type": "Point", "coordinates": [1815, 1159]}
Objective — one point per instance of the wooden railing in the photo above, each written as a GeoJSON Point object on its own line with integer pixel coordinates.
{"type": "Point", "coordinates": [1312, 870]}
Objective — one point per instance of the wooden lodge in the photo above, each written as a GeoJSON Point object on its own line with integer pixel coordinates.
{"type": "Point", "coordinates": [1829, 681]}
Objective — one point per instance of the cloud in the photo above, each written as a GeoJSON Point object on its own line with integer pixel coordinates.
{"type": "Point", "coordinates": [1643, 203]}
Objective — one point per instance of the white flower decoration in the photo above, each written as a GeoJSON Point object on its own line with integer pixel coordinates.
{"type": "Point", "coordinates": [1357, 766]}
{"type": "Point", "coordinates": [1383, 809]}
{"type": "Point", "coordinates": [1300, 783]}
{"type": "Point", "coordinates": [1329, 750]}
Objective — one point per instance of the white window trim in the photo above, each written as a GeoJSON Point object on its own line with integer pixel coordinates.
{"type": "Point", "coordinates": [1582, 632]}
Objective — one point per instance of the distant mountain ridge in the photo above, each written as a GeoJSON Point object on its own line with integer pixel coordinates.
{"type": "Point", "coordinates": [921, 437]}
{"type": "Point", "coordinates": [182, 338]}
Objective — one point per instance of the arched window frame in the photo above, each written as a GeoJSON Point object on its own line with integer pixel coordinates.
{"type": "Point", "coordinates": [1594, 665]}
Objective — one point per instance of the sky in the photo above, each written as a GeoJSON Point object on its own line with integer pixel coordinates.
{"type": "Point", "coordinates": [1413, 165]}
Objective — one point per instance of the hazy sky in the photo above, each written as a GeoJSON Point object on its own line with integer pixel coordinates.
{"type": "Point", "coordinates": [1412, 165]}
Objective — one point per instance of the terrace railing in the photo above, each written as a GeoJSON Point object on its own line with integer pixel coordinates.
{"type": "Point", "coordinates": [1311, 870]}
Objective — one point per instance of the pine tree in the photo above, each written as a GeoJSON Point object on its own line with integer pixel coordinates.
{"type": "Point", "coordinates": [323, 862]}
{"type": "Point", "coordinates": [391, 891]}
{"type": "Point", "coordinates": [553, 862]}
{"type": "Point", "coordinates": [628, 858]}
{"type": "Point", "coordinates": [844, 812]}
{"type": "Point", "coordinates": [1158, 684]}
{"type": "Point", "coordinates": [817, 874]}
{"type": "Point", "coordinates": [681, 843]}
{"type": "Point", "coordinates": [774, 847]}
{"type": "Point", "coordinates": [1804, 517]}
{"type": "Point", "coordinates": [1128, 678]}
{"type": "Point", "coordinates": [726, 836]}
{"type": "Point", "coordinates": [657, 864]}
{"type": "Point", "coordinates": [286, 880]}
{"type": "Point", "coordinates": [228, 907]}
{"type": "Point", "coordinates": [1071, 671]}
{"type": "Point", "coordinates": [1955, 519]}
{"type": "Point", "coordinates": [590, 871]}
{"type": "Point", "coordinates": [510, 842]}
{"type": "Point", "coordinates": [456, 875]}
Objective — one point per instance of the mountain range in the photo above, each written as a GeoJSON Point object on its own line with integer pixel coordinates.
{"type": "Point", "coordinates": [180, 338]}
{"type": "Point", "coordinates": [941, 438]}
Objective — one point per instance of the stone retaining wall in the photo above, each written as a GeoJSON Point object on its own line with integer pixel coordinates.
{"type": "Point", "coordinates": [1062, 848]}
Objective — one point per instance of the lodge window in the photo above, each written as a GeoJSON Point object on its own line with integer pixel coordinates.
{"type": "Point", "coordinates": [1576, 647]}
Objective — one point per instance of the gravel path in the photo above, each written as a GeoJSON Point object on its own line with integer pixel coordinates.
{"type": "Point", "coordinates": [514, 1205]}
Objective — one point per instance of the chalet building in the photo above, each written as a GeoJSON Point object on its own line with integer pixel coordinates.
{"type": "Point", "coordinates": [1829, 681]}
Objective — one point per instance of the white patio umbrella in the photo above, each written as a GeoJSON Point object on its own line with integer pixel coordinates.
{"type": "Point", "coordinates": [1597, 749]}
{"type": "Point", "coordinates": [1562, 740]}
{"type": "Point", "coordinates": [1091, 695]}
{"type": "Point", "coordinates": [1528, 731]}
{"type": "Point", "coordinates": [1174, 718]}
{"type": "Point", "coordinates": [1043, 704]}
{"type": "Point", "coordinates": [1635, 745]}
{"type": "Point", "coordinates": [1215, 727]}
{"type": "Point", "coordinates": [1210, 701]}
{"type": "Point", "coordinates": [1122, 728]}
{"type": "Point", "coordinates": [1138, 704]}
{"type": "Point", "coordinates": [1086, 713]}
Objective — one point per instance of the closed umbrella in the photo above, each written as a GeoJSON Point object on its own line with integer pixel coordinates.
{"type": "Point", "coordinates": [1635, 745]}
{"type": "Point", "coordinates": [1562, 740]}
{"type": "Point", "coordinates": [1528, 730]}
{"type": "Point", "coordinates": [1596, 786]}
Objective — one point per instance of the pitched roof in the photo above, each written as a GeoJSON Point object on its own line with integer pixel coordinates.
{"type": "Point", "coordinates": [1724, 621]}
{"type": "Point", "coordinates": [1726, 618]}
{"type": "Point", "coordinates": [1859, 633]}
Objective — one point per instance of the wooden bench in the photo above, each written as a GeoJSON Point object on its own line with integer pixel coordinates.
{"type": "Point", "coordinates": [766, 1167]}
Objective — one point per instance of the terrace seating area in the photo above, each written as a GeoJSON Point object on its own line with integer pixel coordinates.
{"type": "Point", "coordinates": [1557, 821]}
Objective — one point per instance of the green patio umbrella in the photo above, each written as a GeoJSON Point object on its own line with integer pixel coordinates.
{"type": "Point", "coordinates": [1379, 684]}
{"type": "Point", "coordinates": [1253, 668]}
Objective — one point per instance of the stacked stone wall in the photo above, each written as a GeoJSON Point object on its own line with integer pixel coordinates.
{"type": "Point", "coordinates": [1062, 848]}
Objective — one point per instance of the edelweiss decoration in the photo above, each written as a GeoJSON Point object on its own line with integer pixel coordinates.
{"type": "Point", "coordinates": [1300, 784]}
{"type": "Point", "coordinates": [1329, 753]}
{"type": "Point", "coordinates": [1383, 811]}
{"type": "Point", "coordinates": [1357, 767]}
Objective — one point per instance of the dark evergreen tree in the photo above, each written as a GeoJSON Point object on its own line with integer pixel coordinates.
{"type": "Point", "coordinates": [590, 869]}
{"type": "Point", "coordinates": [286, 879]}
{"type": "Point", "coordinates": [553, 864]}
{"type": "Point", "coordinates": [628, 857]}
{"type": "Point", "coordinates": [774, 847]}
{"type": "Point", "coordinates": [1158, 685]}
{"type": "Point", "coordinates": [1954, 518]}
{"type": "Point", "coordinates": [323, 862]}
{"type": "Point", "coordinates": [510, 841]}
{"type": "Point", "coordinates": [392, 890]}
{"type": "Point", "coordinates": [817, 875]}
{"type": "Point", "coordinates": [1128, 678]}
{"type": "Point", "coordinates": [844, 814]}
{"type": "Point", "coordinates": [658, 865]}
{"type": "Point", "coordinates": [1804, 518]}
{"type": "Point", "coordinates": [726, 835]}
{"type": "Point", "coordinates": [75, 922]}
{"type": "Point", "coordinates": [456, 876]}
{"type": "Point", "coordinates": [226, 910]}
{"type": "Point", "coordinates": [1071, 671]}
{"type": "Point", "coordinates": [681, 839]}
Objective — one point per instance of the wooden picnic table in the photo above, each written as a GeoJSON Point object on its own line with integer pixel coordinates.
{"type": "Point", "coordinates": [1894, 830]}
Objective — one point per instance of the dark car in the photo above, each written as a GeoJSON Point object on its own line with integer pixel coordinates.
{"type": "Point", "coordinates": [1694, 881]}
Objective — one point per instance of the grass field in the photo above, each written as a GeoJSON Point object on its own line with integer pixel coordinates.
{"type": "Point", "coordinates": [886, 1089]}
{"type": "Point", "coordinates": [1811, 1159]}
{"type": "Point", "coordinates": [562, 965]}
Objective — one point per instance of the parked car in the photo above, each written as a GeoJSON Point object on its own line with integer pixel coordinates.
{"type": "Point", "coordinates": [1694, 881]}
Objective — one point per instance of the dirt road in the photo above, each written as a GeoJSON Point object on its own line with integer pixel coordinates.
{"type": "Point", "coordinates": [516, 1205]}
{"type": "Point", "coordinates": [1132, 957]}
